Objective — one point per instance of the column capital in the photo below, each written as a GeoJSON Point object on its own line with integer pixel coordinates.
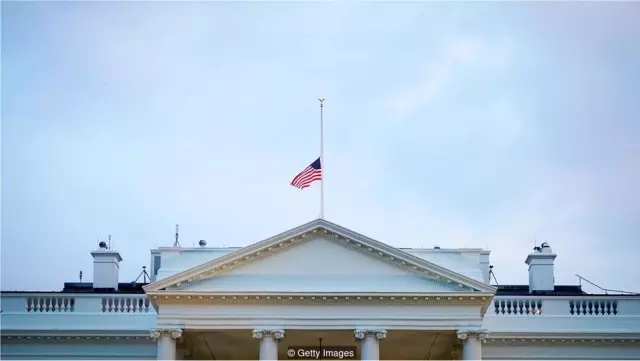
{"type": "Point", "coordinates": [360, 334]}
{"type": "Point", "coordinates": [155, 333]}
{"type": "Point", "coordinates": [276, 333]}
{"type": "Point", "coordinates": [479, 333]}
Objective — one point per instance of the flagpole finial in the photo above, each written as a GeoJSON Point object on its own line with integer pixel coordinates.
{"type": "Point", "coordinates": [321, 101]}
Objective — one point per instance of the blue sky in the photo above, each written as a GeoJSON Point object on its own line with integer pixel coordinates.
{"type": "Point", "coordinates": [452, 124]}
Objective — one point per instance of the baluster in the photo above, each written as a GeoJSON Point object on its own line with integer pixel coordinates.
{"type": "Point", "coordinates": [122, 304]}
{"type": "Point", "coordinates": [29, 301]}
{"type": "Point", "coordinates": [110, 303]}
{"type": "Point", "coordinates": [608, 305]}
{"type": "Point", "coordinates": [104, 304]}
{"type": "Point", "coordinates": [496, 306]}
{"type": "Point", "coordinates": [66, 304]}
{"type": "Point", "coordinates": [508, 307]}
{"type": "Point", "coordinates": [590, 306]}
{"type": "Point", "coordinates": [615, 307]}
{"type": "Point", "coordinates": [128, 304]}
{"type": "Point", "coordinates": [520, 304]}
{"type": "Point", "coordinates": [72, 302]}
{"type": "Point", "coordinates": [47, 303]}
{"type": "Point", "coordinates": [146, 305]}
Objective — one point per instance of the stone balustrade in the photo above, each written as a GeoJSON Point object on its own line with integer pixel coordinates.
{"type": "Point", "coordinates": [76, 311]}
{"type": "Point", "coordinates": [28, 311]}
{"type": "Point", "coordinates": [565, 306]}
{"type": "Point", "coordinates": [589, 313]}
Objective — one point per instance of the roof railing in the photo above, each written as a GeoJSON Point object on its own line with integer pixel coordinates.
{"type": "Point", "coordinates": [606, 290]}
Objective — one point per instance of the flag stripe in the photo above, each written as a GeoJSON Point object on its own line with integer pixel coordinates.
{"type": "Point", "coordinates": [305, 173]}
{"type": "Point", "coordinates": [308, 175]}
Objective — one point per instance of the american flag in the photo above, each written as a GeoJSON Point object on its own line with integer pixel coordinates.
{"type": "Point", "coordinates": [308, 175]}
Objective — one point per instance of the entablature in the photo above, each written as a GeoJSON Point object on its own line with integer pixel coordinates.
{"type": "Point", "coordinates": [177, 297]}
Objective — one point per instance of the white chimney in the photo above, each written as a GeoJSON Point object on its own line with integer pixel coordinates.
{"type": "Point", "coordinates": [106, 264]}
{"type": "Point", "coordinates": [540, 263]}
{"type": "Point", "coordinates": [485, 266]}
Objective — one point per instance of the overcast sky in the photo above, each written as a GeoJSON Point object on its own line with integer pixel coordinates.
{"type": "Point", "coordinates": [453, 124]}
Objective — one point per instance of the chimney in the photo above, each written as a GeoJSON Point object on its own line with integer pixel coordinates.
{"type": "Point", "coordinates": [105, 267]}
{"type": "Point", "coordinates": [485, 266]}
{"type": "Point", "coordinates": [540, 263]}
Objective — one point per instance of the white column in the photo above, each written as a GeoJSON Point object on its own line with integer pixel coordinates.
{"type": "Point", "coordinates": [268, 343]}
{"type": "Point", "coordinates": [166, 342]}
{"type": "Point", "coordinates": [472, 343]}
{"type": "Point", "coordinates": [369, 346]}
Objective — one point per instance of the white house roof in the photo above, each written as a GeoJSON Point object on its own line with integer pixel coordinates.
{"type": "Point", "coordinates": [417, 264]}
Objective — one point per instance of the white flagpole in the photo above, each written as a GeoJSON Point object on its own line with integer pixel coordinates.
{"type": "Point", "coordinates": [321, 159]}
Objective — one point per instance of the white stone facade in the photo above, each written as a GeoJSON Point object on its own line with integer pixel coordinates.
{"type": "Point", "coordinates": [321, 283]}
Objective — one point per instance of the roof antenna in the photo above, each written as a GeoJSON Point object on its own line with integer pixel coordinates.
{"type": "Point", "coordinates": [109, 242]}
{"type": "Point", "coordinates": [492, 274]}
{"type": "Point", "coordinates": [176, 243]}
{"type": "Point", "coordinates": [144, 276]}
{"type": "Point", "coordinates": [80, 276]}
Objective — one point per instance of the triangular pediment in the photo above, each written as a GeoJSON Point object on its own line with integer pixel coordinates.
{"type": "Point", "coordinates": [319, 256]}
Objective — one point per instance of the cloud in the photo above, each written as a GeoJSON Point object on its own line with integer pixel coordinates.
{"type": "Point", "coordinates": [456, 56]}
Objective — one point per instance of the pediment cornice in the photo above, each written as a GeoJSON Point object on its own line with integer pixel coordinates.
{"type": "Point", "coordinates": [310, 231]}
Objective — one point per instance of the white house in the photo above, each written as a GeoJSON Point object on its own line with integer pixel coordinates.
{"type": "Point", "coordinates": [319, 283]}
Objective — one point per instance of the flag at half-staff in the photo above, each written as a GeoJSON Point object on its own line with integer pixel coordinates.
{"type": "Point", "coordinates": [308, 175]}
